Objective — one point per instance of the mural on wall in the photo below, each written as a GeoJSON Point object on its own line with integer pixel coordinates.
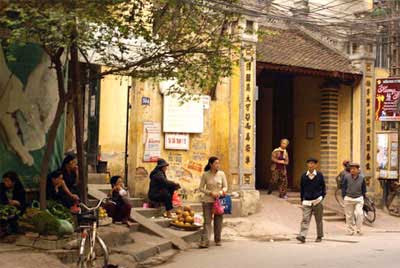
{"type": "Point", "coordinates": [28, 103]}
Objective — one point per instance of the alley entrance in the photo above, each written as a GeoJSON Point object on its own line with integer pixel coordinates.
{"type": "Point", "coordinates": [289, 107]}
{"type": "Point", "coordinates": [274, 122]}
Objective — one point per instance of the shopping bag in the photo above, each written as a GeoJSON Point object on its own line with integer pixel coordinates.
{"type": "Point", "coordinates": [226, 202]}
{"type": "Point", "coordinates": [218, 209]}
{"type": "Point", "coordinates": [176, 200]}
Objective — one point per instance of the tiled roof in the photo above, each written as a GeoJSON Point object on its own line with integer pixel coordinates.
{"type": "Point", "coordinates": [293, 48]}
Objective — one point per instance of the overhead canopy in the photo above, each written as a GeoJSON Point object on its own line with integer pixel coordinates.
{"type": "Point", "coordinates": [294, 51]}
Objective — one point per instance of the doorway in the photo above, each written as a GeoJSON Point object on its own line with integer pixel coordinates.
{"type": "Point", "coordinates": [275, 121]}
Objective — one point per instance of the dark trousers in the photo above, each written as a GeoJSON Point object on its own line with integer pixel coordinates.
{"type": "Point", "coordinates": [120, 212]}
{"type": "Point", "coordinates": [164, 196]}
{"type": "Point", "coordinates": [218, 220]}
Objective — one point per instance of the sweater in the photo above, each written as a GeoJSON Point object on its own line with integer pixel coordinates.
{"type": "Point", "coordinates": [353, 188]}
{"type": "Point", "coordinates": [18, 194]}
{"type": "Point", "coordinates": [212, 183]}
{"type": "Point", "coordinates": [311, 189]}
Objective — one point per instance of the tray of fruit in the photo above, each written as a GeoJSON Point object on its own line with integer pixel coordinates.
{"type": "Point", "coordinates": [104, 220]}
{"type": "Point", "coordinates": [185, 219]}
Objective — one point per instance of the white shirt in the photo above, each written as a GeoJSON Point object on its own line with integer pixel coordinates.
{"type": "Point", "coordinates": [311, 175]}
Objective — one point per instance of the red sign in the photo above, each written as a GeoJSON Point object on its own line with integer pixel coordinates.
{"type": "Point", "coordinates": [387, 102]}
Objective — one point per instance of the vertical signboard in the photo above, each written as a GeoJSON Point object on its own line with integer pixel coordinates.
{"type": "Point", "coordinates": [387, 99]}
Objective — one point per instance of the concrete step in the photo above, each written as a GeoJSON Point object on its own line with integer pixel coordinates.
{"type": "Point", "coordinates": [150, 212]}
{"type": "Point", "coordinates": [294, 201]}
{"type": "Point", "coordinates": [334, 218]}
{"type": "Point", "coordinates": [293, 194]}
{"type": "Point", "coordinates": [98, 178]}
{"type": "Point", "coordinates": [136, 202]}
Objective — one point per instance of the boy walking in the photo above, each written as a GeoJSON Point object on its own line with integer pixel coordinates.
{"type": "Point", "coordinates": [312, 192]}
{"type": "Point", "coordinates": [354, 190]}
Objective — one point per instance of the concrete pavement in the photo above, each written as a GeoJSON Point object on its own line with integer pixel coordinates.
{"type": "Point", "coordinates": [247, 243]}
{"type": "Point", "coordinates": [367, 252]}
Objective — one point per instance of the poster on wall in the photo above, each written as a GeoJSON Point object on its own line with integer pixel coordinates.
{"type": "Point", "coordinates": [174, 141]}
{"type": "Point", "coordinates": [186, 117]}
{"type": "Point", "coordinates": [28, 105]}
{"type": "Point", "coordinates": [152, 141]}
{"type": "Point", "coordinates": [387, 104]}
{"type": "Point", "coordinates": [387, 155]}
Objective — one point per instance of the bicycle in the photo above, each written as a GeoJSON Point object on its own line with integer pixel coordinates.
{"type": "Point", "coordinates": [87, 225]}
{"type": "Point", "coordinates": [369, 209]}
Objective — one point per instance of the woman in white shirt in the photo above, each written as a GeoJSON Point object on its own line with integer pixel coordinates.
{"type": "Point", "coordinates": [213, 184]}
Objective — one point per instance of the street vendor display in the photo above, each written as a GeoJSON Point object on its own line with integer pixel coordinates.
{"type": "Point", "coordinates": [185, 219]}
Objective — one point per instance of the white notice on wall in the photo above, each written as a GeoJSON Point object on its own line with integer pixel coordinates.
{"type": "Point", "coordinates": [175, 141]}
{"type": "Point", "coordinates": [184, 117]}
{"type": "Point", "coordinates": [152, 141]}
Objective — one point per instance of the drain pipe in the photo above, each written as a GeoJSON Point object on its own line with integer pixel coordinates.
{"type": "Point", "coordinates": [128, 109]}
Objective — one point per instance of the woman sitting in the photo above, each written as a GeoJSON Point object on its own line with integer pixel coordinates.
{"type": "Point", "coordinates": [161, 189]}
{"type": "Point", "coordinates": [12, 193]}
{"type": "Point", "coordinates": [69, 169]}
{"type": "Point", "coordinates": [58, 191]}
{"type": "Point", "coordinates": [119, 209]}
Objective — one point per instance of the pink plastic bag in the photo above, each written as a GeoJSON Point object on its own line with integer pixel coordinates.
{"type": "Point", "coordinates": [218, 209]}
{"type": "Point", "coordinates": [176, 200]}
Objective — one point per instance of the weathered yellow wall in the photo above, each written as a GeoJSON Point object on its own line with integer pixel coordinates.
{"type": "Point", "coordinates": [306, 101]}
{"type": "Point", "coordinates": [344, 127]}
{"type": "Point", "coordinates": [112, 126]}
{"type": "Point", "coordinates": [213, 141]}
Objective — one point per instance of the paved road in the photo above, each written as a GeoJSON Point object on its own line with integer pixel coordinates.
{"type": "Point", "coordinates": [372, 250]}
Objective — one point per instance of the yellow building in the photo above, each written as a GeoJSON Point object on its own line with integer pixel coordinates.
{"type": "Point", "coordinates": [287, 85]}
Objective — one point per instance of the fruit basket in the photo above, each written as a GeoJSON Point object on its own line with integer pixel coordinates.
{"type": "Point", "coordinates": [191, 227]}
{"type": "Point", "coordinates": [185, 219]}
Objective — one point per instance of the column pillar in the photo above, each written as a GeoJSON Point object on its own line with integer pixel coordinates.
{"type": "Point", "coordinates": [329, 131]}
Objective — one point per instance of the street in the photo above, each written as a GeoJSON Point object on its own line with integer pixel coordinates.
{"type": "Point", "coordinates": [371, 250]}
{"type": "Point", "coordinates": [248, 242]}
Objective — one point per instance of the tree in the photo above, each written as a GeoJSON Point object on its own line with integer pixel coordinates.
{"type": "Point", "coordinates": [188, 41]}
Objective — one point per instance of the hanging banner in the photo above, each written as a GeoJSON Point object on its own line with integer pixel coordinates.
{"type": "Point", "coordinates": [387, 104]}
{"type": "Point", "coordinates": [28, 104]}
{"type": "Point", "coordinates": [152, 141]}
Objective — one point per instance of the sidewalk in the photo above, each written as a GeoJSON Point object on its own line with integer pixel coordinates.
{"type": "Point", "coordinates": [278, 219]}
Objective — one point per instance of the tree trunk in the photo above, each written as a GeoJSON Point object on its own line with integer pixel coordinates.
{"type": "Point", "coordinates": [79, 120]}
{"type": "Point", "coordinates": [52, 134]}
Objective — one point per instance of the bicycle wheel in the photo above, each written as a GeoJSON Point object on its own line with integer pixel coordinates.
{"type": "Point", "coordinates": [339, 197]}
{"type": "Point", "coordinates": [369, 212]}
{"type": "Point", "coordinates": [82, 253]}
{"type": "Point", "coordinates": [85, 260]}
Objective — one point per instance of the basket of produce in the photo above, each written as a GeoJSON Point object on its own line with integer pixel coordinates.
{"type": "Point", "coordinates": [104, 220]}
{"type": "Point", "coordinates": [185, 219]}
{"type": "Point", "coordinates": [8, 212]}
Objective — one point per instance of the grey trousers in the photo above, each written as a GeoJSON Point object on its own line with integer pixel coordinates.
{"type": "Point", "coordinates": [308, 211]}
{"type": "Point", "coordinates": [218, 219]}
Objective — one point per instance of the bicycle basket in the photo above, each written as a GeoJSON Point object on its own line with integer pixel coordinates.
{"type": "Point", "coordinates": [87, 218]}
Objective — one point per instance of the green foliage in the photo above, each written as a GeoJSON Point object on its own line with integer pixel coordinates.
{"type": "Point", "coordinates": [59, 211]}
{"type": "Point", "coordinates": [7, 212]}
{"type": "Point", "coordinates": [166, 39]}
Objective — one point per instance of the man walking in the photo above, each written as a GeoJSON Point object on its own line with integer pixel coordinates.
{"type": "Point", "coordinates": [280, 159]}
{"type": "Point", "coordinates": [354, 190]}
{"type": "Point", "coordinates": [312, 192]}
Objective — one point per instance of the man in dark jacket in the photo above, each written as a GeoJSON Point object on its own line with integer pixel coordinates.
{"type": "Point", "coordinates": [313, 191]}
{"type": "Point", "coordinates": [354, 191]}
{"type": "Point", "coordinates": [161, 189]}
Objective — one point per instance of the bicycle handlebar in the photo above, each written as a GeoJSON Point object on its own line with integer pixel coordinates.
{"type": "Point", "coordinates": [93, 208]}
